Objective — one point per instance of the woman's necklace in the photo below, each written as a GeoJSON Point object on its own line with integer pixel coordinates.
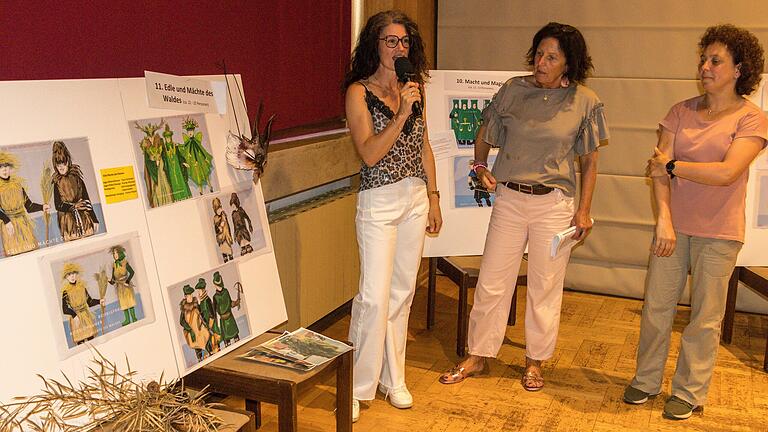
{"type": "Point", "coordinates": [712, 113]}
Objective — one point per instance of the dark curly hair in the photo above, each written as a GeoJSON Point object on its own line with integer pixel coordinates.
{"type": "Point", "coordinates": [365, 57]}
{"type": "Point", "coordinates": [573, 45]}
{"type": "Point", "coordinates": [745, 49]}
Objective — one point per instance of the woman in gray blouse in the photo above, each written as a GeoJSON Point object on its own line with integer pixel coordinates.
{"type": "Point", "coordinates": [398, 200]}
{"type": "Point", "coordinates": [541, 123]}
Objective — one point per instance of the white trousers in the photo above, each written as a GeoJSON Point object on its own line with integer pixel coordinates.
{"type": "Point", "coordinates": [391, 223]}
{"type": "Point", "coordinates": [519, 219]}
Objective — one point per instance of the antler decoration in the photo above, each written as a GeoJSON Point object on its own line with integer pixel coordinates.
{"type": "Point", "coordinates": [246, 153]}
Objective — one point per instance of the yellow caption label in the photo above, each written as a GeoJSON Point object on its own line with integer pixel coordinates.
{"type": "Point", "coordinates": [119, 184]}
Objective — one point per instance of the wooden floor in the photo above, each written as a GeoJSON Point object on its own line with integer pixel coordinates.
{"type": "Point", "coordinates": [585, 379]}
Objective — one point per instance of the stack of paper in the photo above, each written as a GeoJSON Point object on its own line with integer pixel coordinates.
{"type": "Point", "coordinates": [301, 350]}
{"type": "Point", "coordinates": [563, 240]}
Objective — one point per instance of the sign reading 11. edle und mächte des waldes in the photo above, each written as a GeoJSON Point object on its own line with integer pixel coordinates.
{"type": "Point", "coordinates": [185, 94]}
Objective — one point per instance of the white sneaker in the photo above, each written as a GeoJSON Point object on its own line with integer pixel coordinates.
{"type": "Point", "coordinates": [355, 410]}
{"type": "Point", "coordinates": [399, 397]}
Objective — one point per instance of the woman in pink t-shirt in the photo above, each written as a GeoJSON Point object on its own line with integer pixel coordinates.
{"type": "Point", "coordinates": [699, 172]}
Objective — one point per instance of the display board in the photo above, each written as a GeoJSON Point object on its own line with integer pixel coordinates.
{"type": "Point", "coordinates": [755, 252]}
{"type": "Point", "coordinates": [456, 99]}
{"type": "Point", "coordinates": [115, 289]}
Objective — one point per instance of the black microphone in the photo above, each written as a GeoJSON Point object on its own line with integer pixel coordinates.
{"type": "Point", "coordinates": [405, 73]}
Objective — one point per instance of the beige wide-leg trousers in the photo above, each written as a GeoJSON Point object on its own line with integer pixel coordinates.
{"type": "Point", "coordinates": [391, 223]}
{"type": "Point", "coordinates": [711, 262]}
{"type": "Point", "coordinates": [519, 219]}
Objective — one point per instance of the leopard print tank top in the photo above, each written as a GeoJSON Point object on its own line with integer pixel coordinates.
{"type": "Point", "coordinates": [403, 160]}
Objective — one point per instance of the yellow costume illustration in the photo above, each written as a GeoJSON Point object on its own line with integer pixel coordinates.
{"type": "Point", "coordinates": [76, 302]}
{"type": "Point", "coordinates": [125, 295]}
{"type": "Point", "coordinates": [17, 230]}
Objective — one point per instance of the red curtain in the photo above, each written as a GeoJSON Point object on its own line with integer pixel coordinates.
{"type": "Point", "coordinates": [291, 54]}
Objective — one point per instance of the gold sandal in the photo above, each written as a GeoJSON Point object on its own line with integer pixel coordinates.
{"type": "Point", "coordinates": [532, 381]}
{"type": "Point", "coordinates": [458, 374]}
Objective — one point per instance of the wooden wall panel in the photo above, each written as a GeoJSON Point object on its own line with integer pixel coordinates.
{"type": "Point", "coordinates": [645, 56]}
{"type": "Point", "coordinates": [301, 165]}
{"type": "Point", "coordinates": [421, 11]}
{"type": "Point", "coordinates": [316, 250]}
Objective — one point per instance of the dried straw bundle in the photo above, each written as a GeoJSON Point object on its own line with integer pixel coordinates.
{"type": "Point", "coordinates": [109, 400]}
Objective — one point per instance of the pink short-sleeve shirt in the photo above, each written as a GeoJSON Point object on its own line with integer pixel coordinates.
{"type": "Point", "coordinates": [704, 210]}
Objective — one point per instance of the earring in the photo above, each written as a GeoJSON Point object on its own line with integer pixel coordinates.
{"type": "Point", "coordinates": [564, 81]}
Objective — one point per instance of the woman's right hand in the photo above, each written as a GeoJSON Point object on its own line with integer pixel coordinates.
{"type": "Point", "coordinates": [485, 176]}
{"type": "Point", "coordinates": [408, 95]}
{"type": "Point", "coordinates": [664, 240]}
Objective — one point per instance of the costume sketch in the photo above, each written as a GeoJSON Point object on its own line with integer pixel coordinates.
{"type": "Point", "coordinates": [223, 305]}
{"type": "Point", "coordinates": [481, 194]}
{"type": "Point", "coordinates": [244, 235]}
{"type": "Point", "coordinates": [208, 313]}
{"type": "Point", "coordinates": [467, 189]}
{"type": "Point", "coordinates": [48, 195]}
{"type": "Point", "coordinates": [102, 290]}
{"type": "Point", "coordinates": [76, 302]}
{"type": "Point", "coordinates": [122, 274]}
{"type": "Point", "coordinates": [74, 210]}
{"type": "Point", "coordinates": [176, 167]}
{"type": "Point", "coordinates": [199, 160]}
{"type": "Point", "coordinates": [466, 118]}
{"type": "Point", "coordinates": [18, 230]}
{"type": "Point", "coordinates": [196, 332]}
{"type": "Point", "coordinates": [242, 225]}
{"type": "Point", "coordinates": [174, 154]}
{"type": "Point", "coordinates": [155, 178]}
{"type": "Point", "coordinates": [211, 322]}
{"type": "Point", "coordinates": [223, 232]}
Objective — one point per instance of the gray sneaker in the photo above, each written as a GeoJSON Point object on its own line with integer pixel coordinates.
{"type": "Point", "coordinates": [635, 396]}
{"type": "Point", "coordinates": [678, 409]}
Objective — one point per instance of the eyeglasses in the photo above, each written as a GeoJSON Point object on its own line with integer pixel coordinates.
{"type": "Point", "coordinates": [391, 41]}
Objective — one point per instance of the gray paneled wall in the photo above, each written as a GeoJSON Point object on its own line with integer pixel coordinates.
{"type": "Point", "coordinates": [645, 56]}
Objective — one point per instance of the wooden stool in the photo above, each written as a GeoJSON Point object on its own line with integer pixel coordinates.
{"type": "Point", "coordinates": [755, 278]}
{"type": "Point", "coordinates": [463, 271]}
{"type": "Point", "coordinates": [258, 382]}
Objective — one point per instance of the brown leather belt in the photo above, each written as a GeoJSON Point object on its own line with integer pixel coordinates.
{"type": "Point", "coordinates": [537, 189]}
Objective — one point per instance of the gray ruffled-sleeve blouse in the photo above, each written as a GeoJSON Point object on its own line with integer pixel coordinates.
{"type": "Point", "coordinates": [540, 131]}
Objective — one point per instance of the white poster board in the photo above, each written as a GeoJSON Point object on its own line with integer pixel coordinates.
{"type": "Point", "coordinates": [755, 249]}
{"type": "Point", "coordinates": [464, 226]}
{"type": "Point", "coordinates": [170, 238]}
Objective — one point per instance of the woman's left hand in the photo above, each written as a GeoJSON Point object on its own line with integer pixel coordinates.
{"type": "Point", "coordinates": [657, 165]}
{"type": "Point", "coordinates": [434, 217]}
{"type": "Point", "coordinates": [583, 224]}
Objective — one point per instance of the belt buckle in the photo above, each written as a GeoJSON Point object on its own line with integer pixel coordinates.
{"type": "Point", "coordinates": [525, 188]}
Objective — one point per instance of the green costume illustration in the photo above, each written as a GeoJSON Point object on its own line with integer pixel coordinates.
{"type": "Point", "coordinates": [175, 166]}
{"type": "Point", "coordinates": [209, 315]}
{"type": "Point", "coordinates": [122, 273]}
{"type": "Point", "coordinates": [199, 161]}
{"type": "Point", "coordinates": [466, 134]}
{"type": "Point", "coordinates": [477, 115]}
{"type": "Point", "coordinates": [155, 178]}
{"type": "Point", "coordinates": [223, 304]}
{"type": "Point", "coordinates": [454, 116]}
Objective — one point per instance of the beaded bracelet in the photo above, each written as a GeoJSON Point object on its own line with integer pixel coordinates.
{"type": "Point", "coordinates": [477, 165]}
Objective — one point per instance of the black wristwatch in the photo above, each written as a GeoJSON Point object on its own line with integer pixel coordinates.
{"type": "Point", "coordinates": [670, 168]}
